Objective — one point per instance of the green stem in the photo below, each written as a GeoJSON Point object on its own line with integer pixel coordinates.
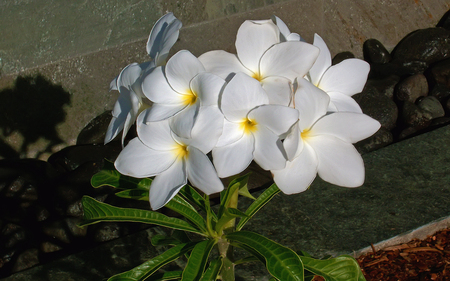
{"type": "Point", "coordinates": [225, 249]}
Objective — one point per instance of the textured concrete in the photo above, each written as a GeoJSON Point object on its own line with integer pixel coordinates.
{"type": "Point", "coordinates": [407, 185]}
{"type": "Point", "coordinates": [83, 45]}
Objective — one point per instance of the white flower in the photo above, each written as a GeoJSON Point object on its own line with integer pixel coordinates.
{"type": "Point", "coordinates": [180, 89]}
{"type": "Point", "coordinates": [285, 33]}
{"type": "Point", "coordinates": [252, 128]}
{"type": "Point", "coordinates": [159, 151]}
{"type": "Point", "coordinates": [261, 55]}
{"type": "Point", "coordinates": [339, 81]}
{"type": "Point", "coordinates": [322, 143]}
{"type": "Point", "coordinates": [131, 100]}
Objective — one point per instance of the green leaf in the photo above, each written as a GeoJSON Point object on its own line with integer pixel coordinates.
{"type": "Point", "coordinates": [197, 260]}
{"type": "Point", "coordinates": [247, 259]}
{"type": "Point", "coordinates": [95, 211]}
{"type": "Point", "coordinates": [225, 196]}
{"type": "Point", "coordinates": [179, 205]}
{"type": "Point", "coordinates": [194, 197]}
{"type": "Point", "coordinates": [177, 237]}
{"type": "Point", "coordinates": [342, 268]}
{"type": "Point", "coordinates": [281, 262]}
{"type": "Point", "coordinates": [171, 275]}
{"type": "Point", "coordinates": [243, 191]}
{"type": "Point", "coordinates": [260, 202]}
{"type": "Point", "coordinates": [146, 269]}
{"type": "Point", "coordinates": [109, 176]}
{"type": "Point", "coordinates": [137, 194]}
{"type": "Point", "coordinates": [213, 270]}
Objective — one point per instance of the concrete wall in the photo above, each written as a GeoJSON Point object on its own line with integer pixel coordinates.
{"type": "Point", "coordinates": [79, 46]}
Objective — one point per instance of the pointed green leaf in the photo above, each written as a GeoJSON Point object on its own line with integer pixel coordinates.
{"type": "Point", "coordinates": [111, 177]}
{"type": "Point", "coordinates": [177, 237]}
{"type": "Point", "coordinates": [236, 213]}
{"type": "Point", "coordinates": [213, 270]}
{"type": "Point", "coordinates": [281, 262]}
{"type": "Point", "coordinates": [146, 269]}
{"type": "Point", "coordinates": [185, 209]}
{"type": "Point", "coordinates": [247, 259]}
{"type": "Point", "coordinates": [95, 211]}
{"type": "Point", "coordinates": [171, 275]}
{"type": "Point", "coordinates": [246, 193]}
{"type": "Point", "coordinates": [197, 260]}
{"type": "Point", "coordinates": [260, 202]}
{"type": "Point", "coordinates": [137, 194]}
{"type": "Point", "coordinates": [226, 195]}
{"type": "Point", "coordinates": [342, 268]}
{"type": "Point", "coordinates": [194, 197]}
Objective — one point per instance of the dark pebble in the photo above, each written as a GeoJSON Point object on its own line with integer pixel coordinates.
{"type": "Point", "coordinates": [342, 56]}
{"type": "Point", "coordinates": [375, 52]}
{"type": "Point", "coordinates": [411, 88]}
{"type": "Point", "coordinates": [440, 72]}
{"type": "Point", "coordinates": [432, 106]}
{"type": "Point", "coordinates": [95, 130]}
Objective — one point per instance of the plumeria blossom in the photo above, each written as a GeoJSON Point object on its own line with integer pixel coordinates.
{"type": "Point", "coordinates": [339, 81]}
{"type": "Point", "coordinates": [159, 151]}
{"type": "Point", "coordinates": [286, 34]}
{"type": "Point", "coordinates": [321, 143]}
{"type": "Point", "coordinates": [180, 89]}
{"type": "Point", "coordinates": [131, 100]}
{"type": "Point", "coordinates": [252, 128]}
{"type": "Point", "coordinates": [261, 55]}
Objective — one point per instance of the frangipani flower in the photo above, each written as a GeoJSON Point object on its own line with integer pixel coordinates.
{"type": "Point", "coordinates": [180, 89]}
{"type": "Point", "coordinates": [322, 143]}
{"type": "Point", "coordinates": [252, 128]}
{"type": "Point", "coordinates": [261, 55]}
{"type": "Point", "coordinates": [286, 34]}
{"type": "Point", "coordinates": [131, 100]}
{"type": "Point", "coordinates": [340, 81]}
{"type": "Point", "coordinates": [159, 151]}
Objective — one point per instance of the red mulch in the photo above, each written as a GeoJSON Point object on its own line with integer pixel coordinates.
{"type": "Point", "coordinates": [417, 260]}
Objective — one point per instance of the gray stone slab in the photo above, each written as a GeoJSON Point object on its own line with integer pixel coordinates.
{"type": "Point", "coordinates": [407, 185]}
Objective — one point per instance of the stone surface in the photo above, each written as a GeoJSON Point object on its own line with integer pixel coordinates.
{"type": "Point", "coordinates": [375, 52]}
{"type": "Point", "coordinates": [431, 105]}
{"type": "Point", "coordinates": [406, 187]}
{"type": "Point", "coordinates": [411, 88]}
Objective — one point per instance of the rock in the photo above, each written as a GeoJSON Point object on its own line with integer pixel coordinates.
{"type": "Point", "coordinates": [382, 70]}
{"type": "Point", "coordinates": [375, 52]}
{"type": "Point", "coordinates": [108, 231]}
{"type": "Point", "coordinates": [342, 56]}
{"type": "Point", "coordinates": [445, 21]}
{"type": "Point", "coordinates": [13, 235]}
{"type": "Point", "coordinates": [26, 259]}
{"type": "Point", "coordinates": [95, 130]}
{"type": "Point", "coordinates": [57, 230]}
{"type": "Point", "coordinates": [422, 48]}
{"type": "Point", "coordinates": [411, 88]}
{"type": "Point", "coordinates": [440, 121]}
{"type": "Point", "coordinates": [378, 106]}
{"type": "Point", "coordinates": [408, 132]}
{"type": "Point", "coordinates": [440, 72]}
{"type": "Point", "coordinates": [447, 105]}
{"type": "Point", "coordinates": [384, 86]}
{"type": "Point", "coordinates": [415, 117]}
{"type": "Point", "coordinates": [432, 106]}
{"type": "Point", "coordinates": [441, 92]}
{"type": "Point", "coordinates": [378, 140]}
{"type": "Point", "coordinates": [49, 247]}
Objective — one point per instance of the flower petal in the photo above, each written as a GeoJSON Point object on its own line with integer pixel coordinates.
{"type": "Point", "coordinates": [342, 102]}
{"type": "Point", "coordinates": [183, 122]}
{"type": "Point", "coordinates": [288, 59]}
{"type": "Point", "coordinates": [298, 175]}
{"type": "Point", "coordinates": [207, 86]}
{"type": "Point", "coordinates": [293, 143]}
{"type": "Point", "coordinates": [156, 88]}
{"type": "Point", "coordinates": [278, 89]}
{"type": "Point", "coordinates": [139, 161]}
{"type": "Point", "coordinates": [269, 151]}
{"type": "Point", "coordinates": [222, 64]}
{"type": "Point", "coordinates": [207, 129]}
{"type": "Point", "coordinates": [180, 70]}
{"type": "Point", "coordinates": [284, 30]}
{"type": "Point", "coordinates": [347, 77]}
{"type": "Point", "coordinates": [339, 161]}
{"type": "Point", "coordinates": [323, 61]}
{"type": "Point", "coordinates": [234, 158]}
{"type": "Point", "coordinates": [240, 95]}
{"type": "Point", "coordinates": [277, 118]}
{"type": "Point", "coordinates": [201, 172]}
{"type": "Point", "coordinates": [348, 126]}
{"type": "Point", "coordinates": [160, 112]}
{"type": "Point", "coordinates": [311, 102]}
{"type": "Point", "coordinates": [253, 39]}
{"type": "Point", "coordinates": [155, 135]}
{"type": "Point", "coordinates": [231, 133]}
{"type": "Point", "coordinates": [167, 184]}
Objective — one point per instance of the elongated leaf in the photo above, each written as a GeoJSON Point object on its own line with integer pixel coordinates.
{"type": "Point", "coordinates": [171, 275]}
{"type": "Point", "coordinates": [342, 268]}
{"type": "Point", "coordinates": [146, 269]}
{"type": "Point", "coordinates": [161, 240]}
{"type": "Point", "coordinates": [197, 260]}
{"type": "Point", "coordinates": [228, 215]}
{"type": "Point", "coordinates": [233, 186]}
{"type": "Point", "coordinates": [182, 207]}
{"type": "Point", "coordinates": [95, 211]}
{"type": "Point", "coordinates": [194, 197]}
{"type": "Point", "coordinates": [137, 194]}
{"type": "Point", "coordinates": [247, 259]}
{"type": "Point", "coordinates": [260, 202]}
{"type": "Point", "coordinates": [281, 262]}
{"type": "Point", "coordinates": [111, 177]}
{"type": "Point", "coordinates": [213, 270]}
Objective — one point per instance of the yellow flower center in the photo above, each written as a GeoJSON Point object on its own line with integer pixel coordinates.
{"type": "Point", "coordinates": [257, 76]}
{"type": "Point", "coordinates": [181, 151]}
{"type": "Point", "coordinates": [305, 134]}
{"type": "Point", "coordinates": [248, 125]}
{"type": "Point", "coordinates": [189, 98]}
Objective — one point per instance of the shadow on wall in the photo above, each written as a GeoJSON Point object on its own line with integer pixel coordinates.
{"type": "Point", "coordinates": [33, 108]}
